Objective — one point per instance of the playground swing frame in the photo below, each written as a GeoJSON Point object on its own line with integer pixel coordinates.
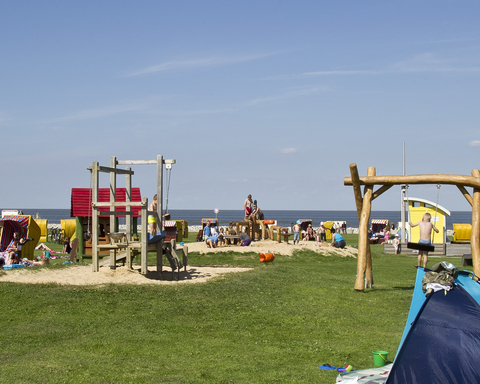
{"type": "Point", "coordinates": [364, 203]}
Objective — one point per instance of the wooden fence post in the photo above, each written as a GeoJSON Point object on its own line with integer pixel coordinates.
{"type": "Point", "coordinates": [475, 234]}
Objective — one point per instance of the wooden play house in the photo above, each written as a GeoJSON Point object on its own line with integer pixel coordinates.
{"type": "Point", "coordinates": [417, 208]}
{"type": "Point", "coordinates": [81, 209]}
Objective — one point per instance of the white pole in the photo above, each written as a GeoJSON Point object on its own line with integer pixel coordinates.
{"type": "Point", "coordinates": [402, 204]}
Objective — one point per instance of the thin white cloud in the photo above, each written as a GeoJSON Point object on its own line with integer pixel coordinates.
{"type": "Point", "coordinates": [94, 113]}
{"type": "Point", "coordinates": [289, 151]}
{"type": "Point", "coordinates": [286, 95]}
{"type": "Point", "coordinates": [237, 180]}
{"type": "Point", "coordinates": [194, 112]}
{"type": "Point", "coordinates": [426, 62]}
{"type": "Point", "coordinates": [213, 61]}
{"type": "Point", "coordinates": [474, 143]}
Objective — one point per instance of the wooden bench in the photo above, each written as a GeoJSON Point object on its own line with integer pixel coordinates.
{"type": "Point", "coordinates": [231, 239]}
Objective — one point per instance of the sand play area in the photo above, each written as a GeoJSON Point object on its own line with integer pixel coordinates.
{"type": "Point", "coordinates": [83, 275]}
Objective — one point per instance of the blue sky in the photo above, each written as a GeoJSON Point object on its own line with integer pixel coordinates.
{"type": "Point", "coordinates": [272, 98]}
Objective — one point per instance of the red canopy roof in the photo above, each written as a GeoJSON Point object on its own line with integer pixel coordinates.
{"type": "Point", "coordinates": [82, 199]}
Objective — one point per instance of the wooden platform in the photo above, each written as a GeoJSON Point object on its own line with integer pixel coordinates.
{"type": "Point", "coordinates": [451, 249]}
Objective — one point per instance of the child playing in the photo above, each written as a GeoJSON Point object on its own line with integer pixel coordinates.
{"type": "Point", "coordinates": [396, 244]}
{"type": "Point", "coordinates": [425, 235]}
{"type": "Point", "coordinates": [221, 237]}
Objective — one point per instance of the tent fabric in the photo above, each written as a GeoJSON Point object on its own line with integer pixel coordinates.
{"type": "Point", "coordinates": [443, 343]}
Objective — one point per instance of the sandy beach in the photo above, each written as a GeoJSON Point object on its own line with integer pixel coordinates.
{"type": "Point", "coordinates": [82, 274]}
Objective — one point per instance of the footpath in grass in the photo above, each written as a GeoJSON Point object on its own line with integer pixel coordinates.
{"type": "Point", "coordinates": [274, 324]}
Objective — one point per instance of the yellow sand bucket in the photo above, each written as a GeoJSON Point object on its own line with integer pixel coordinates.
{"type": "Point", "coordinates": [380, 358]}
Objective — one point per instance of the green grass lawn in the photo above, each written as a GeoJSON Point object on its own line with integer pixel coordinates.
{"type": "Point", "coordinates": [273, 324]}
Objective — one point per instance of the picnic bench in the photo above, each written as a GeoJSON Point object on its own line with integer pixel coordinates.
{"type": "Point", "coordinates": [232, 239]}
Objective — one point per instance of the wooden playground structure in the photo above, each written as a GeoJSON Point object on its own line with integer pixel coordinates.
{"type": "Point", "coordinates": [364, 205]}
{"type": "Point", "coordinates": [261, 229]}
{"type": "Point", "coordinates": [123, 241]}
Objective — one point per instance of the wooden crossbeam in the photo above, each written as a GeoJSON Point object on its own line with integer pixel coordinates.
{"type": "Point", "coordinates": [467, 181]}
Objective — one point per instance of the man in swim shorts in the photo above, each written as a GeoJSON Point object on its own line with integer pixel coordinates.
{"type": "Point", "coordinates": [425, 235]}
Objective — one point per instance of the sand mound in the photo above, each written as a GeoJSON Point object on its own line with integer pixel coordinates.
{"type": "Point", "coordinates": [275, 247]}
{"type": "Point", "coordinates": [83, 275]}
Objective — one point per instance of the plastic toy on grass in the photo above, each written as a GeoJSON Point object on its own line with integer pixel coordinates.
{"type": "Point", "coordinates": [12, 266]}
{"type": "Point", "coordinates": [348, 368]}
{"type": "Point", "coordinates": [267, 258]}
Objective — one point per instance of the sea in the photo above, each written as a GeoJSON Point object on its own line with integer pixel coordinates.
{"type": "Point", "coordinates": [284, 218]}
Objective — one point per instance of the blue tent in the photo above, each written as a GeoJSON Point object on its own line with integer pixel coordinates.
{"type": "Point", "coordinates": [441, 341]}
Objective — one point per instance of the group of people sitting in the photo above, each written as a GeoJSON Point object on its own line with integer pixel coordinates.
{"type": "Point", "coordinates": [13, 253]}
{"type": "Point", "coordinates": [319, 236]}
{"type": "Point", "coordinates": [215, 237]}
{"type": "Point", "coordinates": [381, 237]}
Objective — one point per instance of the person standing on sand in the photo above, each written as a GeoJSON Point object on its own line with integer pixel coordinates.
{"type": "Point", "coordinates": [207, 231]}
{"type": "Point", "coordinates": [321, 234]}
{"type": "Point", "coordinates": [296, 233]}
{"type": "Point", "coordinates": [425, 237]}
{"type": "Point", "coordinates": [248, 205]}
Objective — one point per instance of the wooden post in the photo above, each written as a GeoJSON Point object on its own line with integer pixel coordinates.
{"type": "Point", "coordinates": [369, 272]}
{"type": "Point", "coordinates": [144, 251]}
{"type": "Point", "coordinates": [475, 234]}
{"type": "Point", "coordinates": [94, 212]}
{"type": "Point", "coordinates": [128, 199]}
{"type": "Point", "coordinates": [159, 212]}
{"type": "Point", "coordinates": [113, 198]}
{"type": "Point", "coordinates": [467, 181]}
{"type": "Point", "coordinates": [356, 188]}
{"type": "Point", "coordinates": [363, 245]}
{"type": "Point", "coordinates": [465, 194]}
{"type": "Point", "coordinates": [185, 257]}
{"type": "Point", "coordinates": [128, 218]}
{"type": "Point", "coordinates": [382, 189]}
